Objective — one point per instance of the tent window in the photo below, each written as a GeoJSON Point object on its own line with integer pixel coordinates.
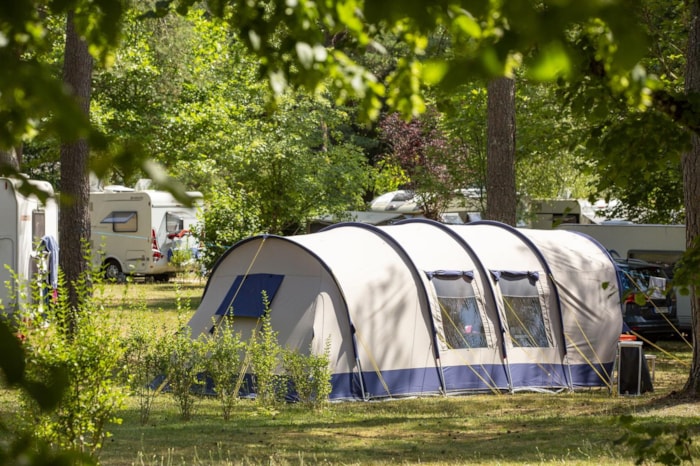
{"type": "Point", "coordinates": [462, 323]}
{"type": "Point", "coordinates": [122, 221]}
{"type": "Point", "coordinates": [523, 311]}
{"type": "Point", "coordinates": [245, 297]}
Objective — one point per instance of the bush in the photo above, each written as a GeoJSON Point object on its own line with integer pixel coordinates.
{"type": "Point", "coordinates": [185, 362]}
{"type": "Point", "coordinates": [223, 365]}
{"type": "Point", "coordinates": [264, 352]}
{"type": "Point", "coordinates": [90, 349]}
{"type": "Point", "coordinates": [311, 375]}
{"type": "Point", "coordinates": [145, 360]}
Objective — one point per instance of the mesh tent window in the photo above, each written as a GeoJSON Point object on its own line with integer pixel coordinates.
{"type": "Point", "coordinates": [521, 298]}
{"type": "Point", "coordinates": [462, 323]}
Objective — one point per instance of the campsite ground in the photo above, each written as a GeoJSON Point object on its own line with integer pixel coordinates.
{"type": "Point", "coordinates": [524, 428]}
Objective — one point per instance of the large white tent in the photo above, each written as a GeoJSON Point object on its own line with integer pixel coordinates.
{"type": "Point", "coordinates": [421, 307]}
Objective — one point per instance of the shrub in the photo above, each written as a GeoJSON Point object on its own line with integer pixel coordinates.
{"type": "Point", "coordinates": [145, 360]}
{"type": "Point", "coordinates": [264, 352]}
{"type": "Point", "coordinates": [310, 374]}
{"type": "Point", "coordinates": [223, 365]}
{"type": "Point", "coordinates": [91, 350]}
{"type": "Point", "coordinates": [652, 443]}
{"type": "Point", "coordinates": [185, 362]}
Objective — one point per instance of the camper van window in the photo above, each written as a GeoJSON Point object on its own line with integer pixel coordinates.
{"type": "Point", "coordinates": [461, 319]}
{"type": "Point", "coordinates": [174, 223]}
{"type": "Point", "coordinates": [38, 226]}
{"type": "Point", "coordinates": [524, 313]}
{"type": "Point", "coordinates": [122, 221]}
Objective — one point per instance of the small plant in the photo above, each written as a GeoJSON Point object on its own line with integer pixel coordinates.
{"type": "Point", "coordinates": [185, 260]}
{"type": "Point", "coordinates": [91, 350]}
{"type": "Point", "coordinates": [656, 443]}
{"type": "Point", "coordinates": [185, 362]}
{"type": "Point", "coordinates": [145, 360]}
{"type": "Point", "coordinates": [310, 374]}
{"type": "Point", "coordinates": [223, 365]}
{"type": "Point", "coordinates": [265, 353]}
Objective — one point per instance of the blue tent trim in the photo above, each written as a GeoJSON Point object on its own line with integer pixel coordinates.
{"type": "Point", "coordinates": [244, 298]}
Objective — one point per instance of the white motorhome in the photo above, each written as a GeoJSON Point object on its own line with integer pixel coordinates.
{"type": "Point", "coordinates": [658, 244]}
{"type": "Point", "coordinates": [545, 214]}
{"type": "Point", "coordinates": [28, 225]}
{"type": "Point", "coordinates": [137, 232]}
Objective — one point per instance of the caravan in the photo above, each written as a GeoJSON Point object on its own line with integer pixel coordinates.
{"type": "Point", "coordinates": [137, 233]}
{"type": "Point", "coordinates": [28, 245]}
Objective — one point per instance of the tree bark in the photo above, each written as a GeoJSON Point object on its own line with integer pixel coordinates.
{"type": "Point", "coordinates": [501, 198]}
{"type": "Point", "coordinates": [690, 161]}
{"type": "Point", "coordinates": [11, 158]}
{"type": "Point", "coordinates": [74, 221]}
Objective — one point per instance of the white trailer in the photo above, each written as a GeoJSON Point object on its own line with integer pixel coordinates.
{"type": "Point", "coordinates": [28, 226]}
{"type": "Point", "coordinates": [137, 232]}
{"type": "Point", "coordinates": [659, 244]}
{"type": "Point", "coordinates": [545, 214]}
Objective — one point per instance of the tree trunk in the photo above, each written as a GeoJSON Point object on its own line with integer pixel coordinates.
{"type": "Point", "coordinates": [501, 199]}
{"type": "Point", "coordinates": [690, 162]}
{"type": "Point", "coordinates": [74, 222]}
{"type": "Point", "coordinates": [11, 158]}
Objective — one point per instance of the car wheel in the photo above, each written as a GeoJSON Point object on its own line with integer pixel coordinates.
{"type": "Point", "coordinates": [113, 272]}
{"type": "Point", "coordinates": [161, 278]}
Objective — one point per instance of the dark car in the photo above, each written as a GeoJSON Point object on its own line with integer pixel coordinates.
{"type": "Point", "coordinates": [648, 300]}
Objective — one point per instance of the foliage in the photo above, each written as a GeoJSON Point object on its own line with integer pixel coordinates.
{"type": "Point", "coordinates": [184, 259]}
{"type": "Point", "coordinates": [687, 269]}
{"type": "Point", "coordinates": [185, 363]}
{"type": "Point", "coordinates": [26, 447]}
{"type": "Point", "coordinates": [91, 352]}
{"type": "Point", "coordinates": [231, 215]}
{"type": "Point", "coordinates": [633, 143]}
{"type": "Point", "coordinates": [145, 359]}
{"type": "Point", "coordinates": [265, 353]}
{"type": "Point", "coordinates": [297, 164]}
{"type": "Point", "coordinates": [430, 162]}
{"type": "Point", "coordinates": [32, 97]}
{"type": "Point", "coordinates": [310, 374]}
{"type": "Point", "coordinates": [224, 366]}
{"type": "Point", "coordinates": [191, 93]}
{"type": "Point", "coordinates": [660, 444]}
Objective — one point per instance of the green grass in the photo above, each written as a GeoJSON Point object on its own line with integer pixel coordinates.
{"type": "Point", "coordinates": [524, 428]}
{"type": "Point", "coordinates": [530, 428]}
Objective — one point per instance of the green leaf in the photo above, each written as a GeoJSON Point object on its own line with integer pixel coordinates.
{"type": "Point", "coordinates": [468, 25]}
{"type": "Point", "coordinates": [551, 63]}
{"type": "Point", "coordinates": [433, 71]}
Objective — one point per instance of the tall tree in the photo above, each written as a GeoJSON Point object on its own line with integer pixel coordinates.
{"type": "Point", "coordinates": [11, 158]}
{"type": "Point", "coordinates": [501, 197]}
{"type": "Point", "coordinates": [74, 222]}
{"type": "Point", "coordinates": [690, 162]}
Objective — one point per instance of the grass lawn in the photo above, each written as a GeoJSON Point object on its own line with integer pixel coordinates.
{"type": "Point", "coordinates": [522, 428]}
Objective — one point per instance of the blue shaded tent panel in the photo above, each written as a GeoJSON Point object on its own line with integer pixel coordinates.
{"type": "Point", "coordinates": [244, 298]}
